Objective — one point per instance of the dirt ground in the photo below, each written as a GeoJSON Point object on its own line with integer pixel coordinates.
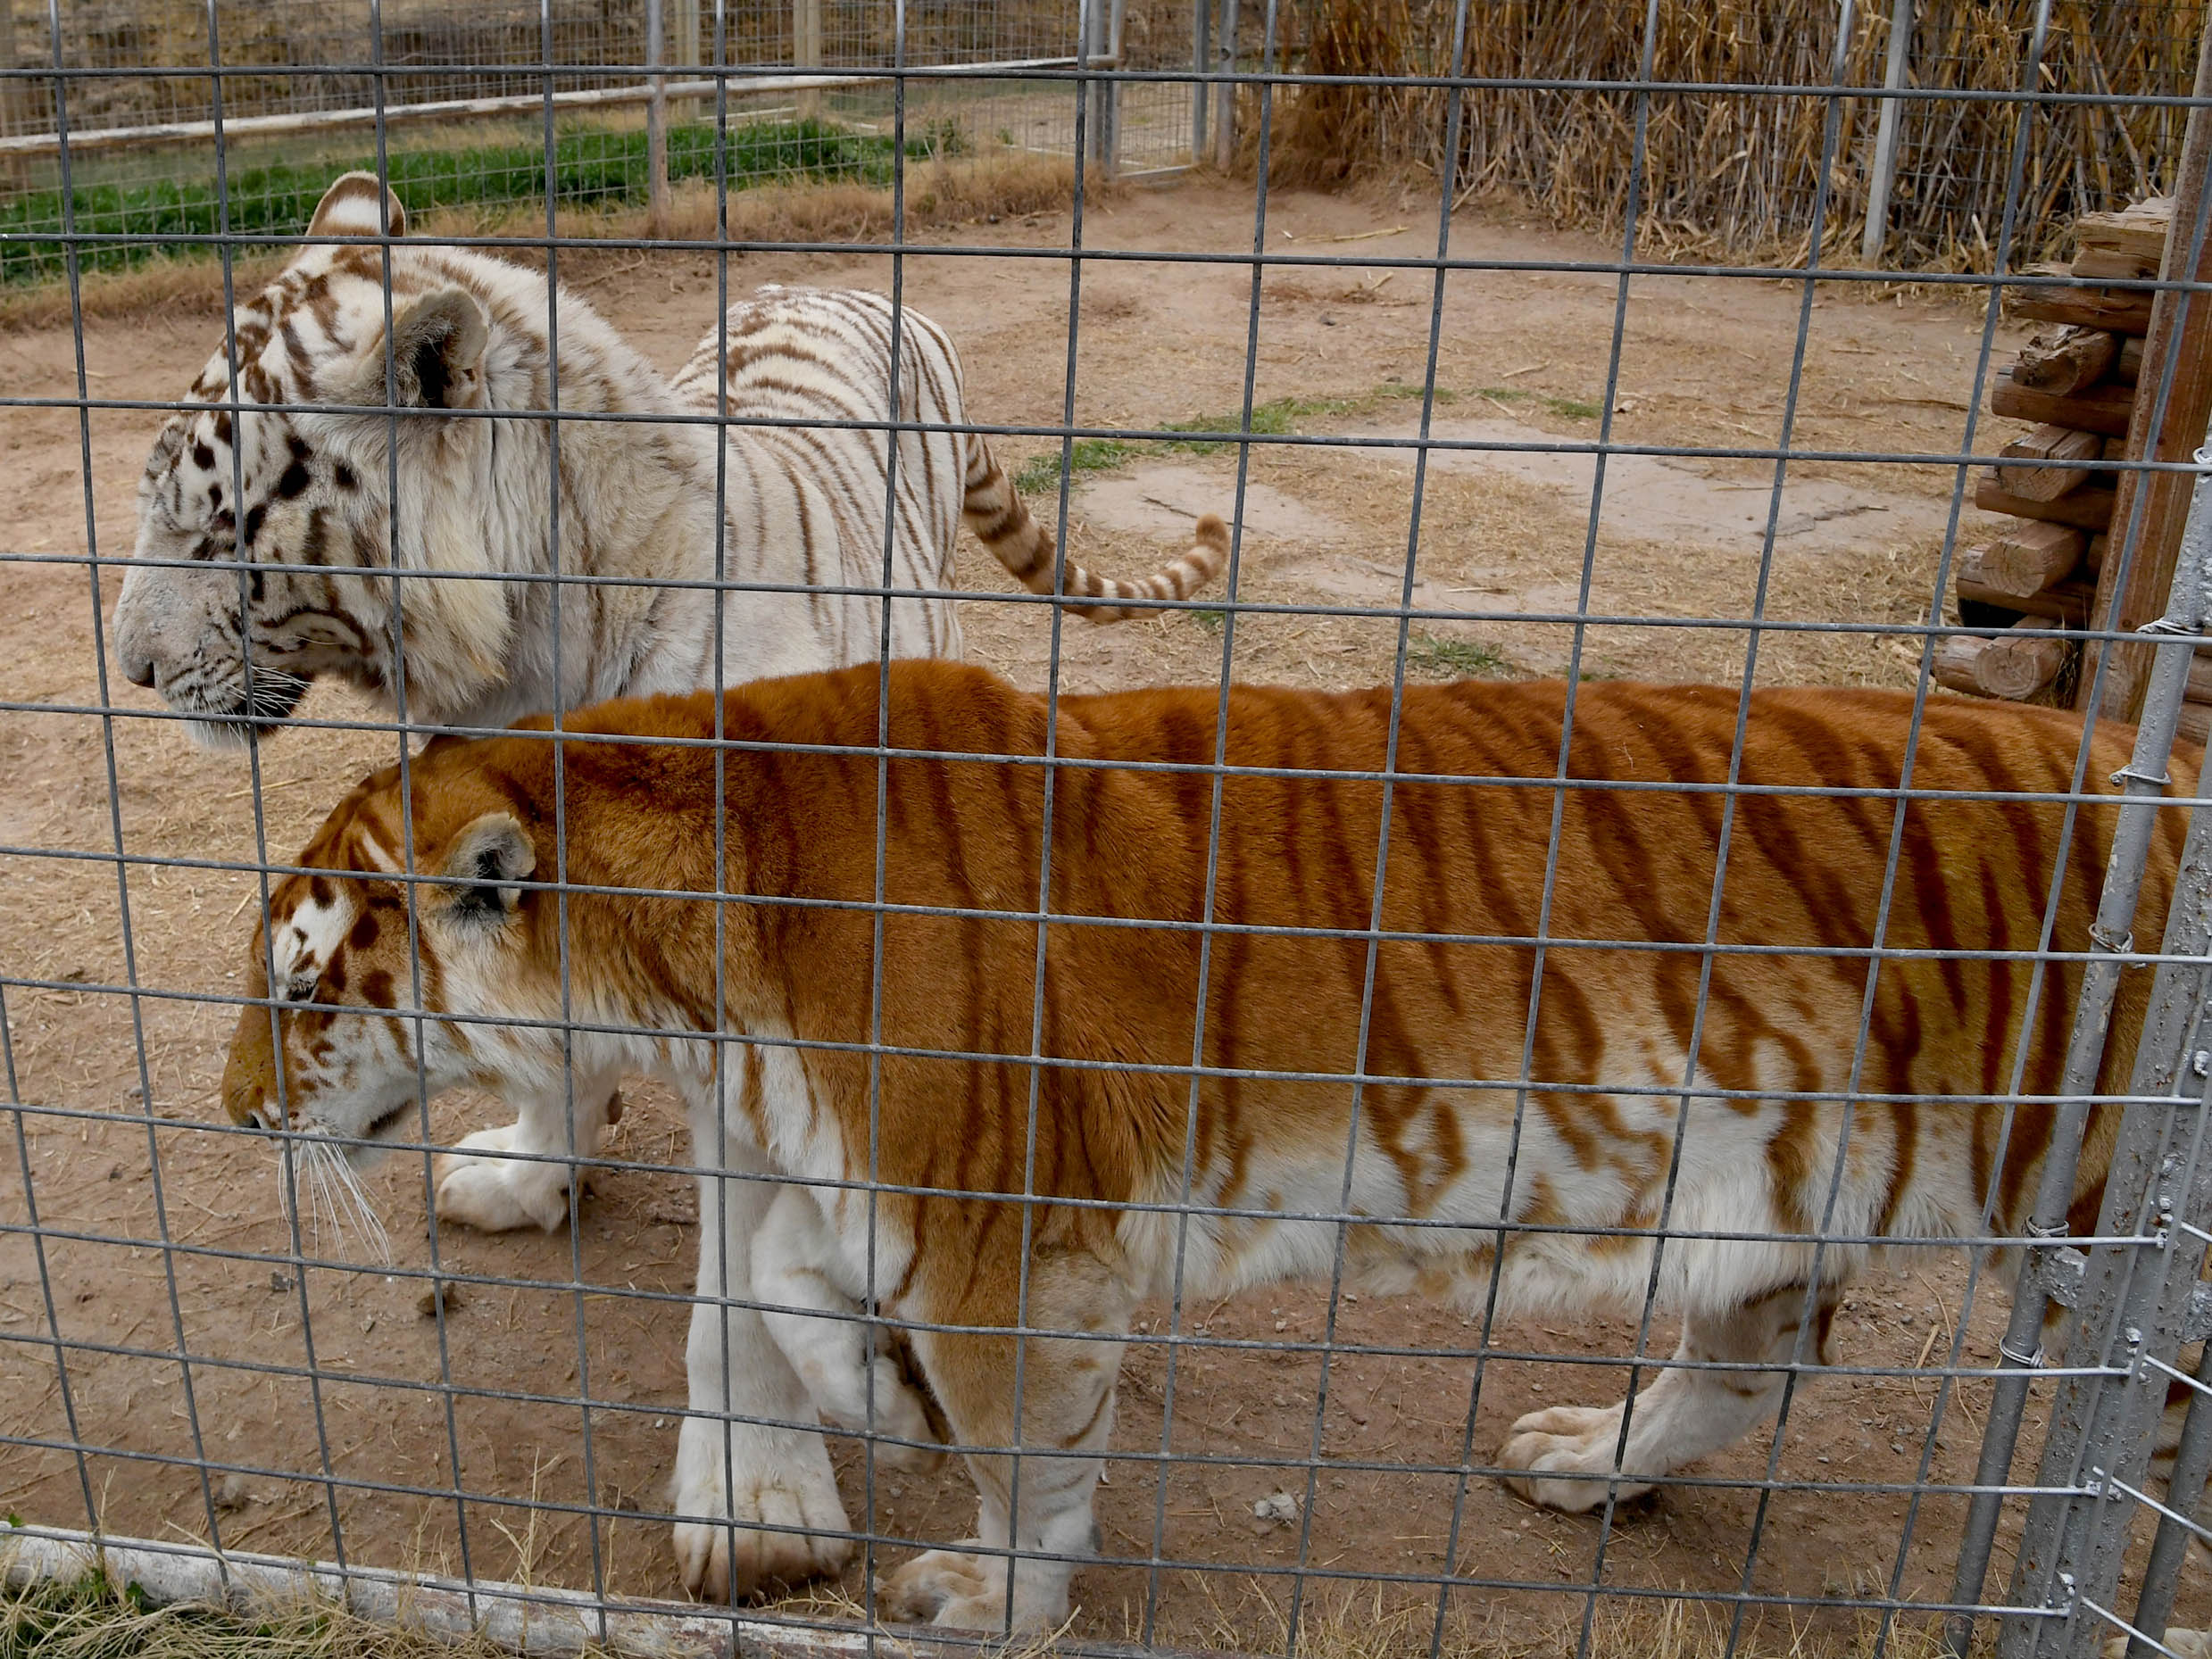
{"type": "Point", "coordinates": [1524, 354]}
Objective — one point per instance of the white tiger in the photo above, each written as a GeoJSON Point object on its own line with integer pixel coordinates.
{"type": "Point", "coordinates": [804, 502]}
{"type": "Point", "coordinates": [305, 498]}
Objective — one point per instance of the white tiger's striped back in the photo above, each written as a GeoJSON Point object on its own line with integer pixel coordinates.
{"type": "Point", "coordinates": [815, 368]}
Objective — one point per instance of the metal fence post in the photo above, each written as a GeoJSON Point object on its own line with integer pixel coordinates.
{"type": "Point", "coordinates": [2045, 1268]}
{"type": "Point", "coordinates": [1109, 90]}
{"type": "Point", "coordinates": [2020, 1350]}
{"type": "Point", "coordinates": [1202, 52]}
{"type": "Point", "coordinates": [2133, 1301]}
{"type": "Point", "coordinates": [1894, 71]}
{"type": "Point", "coordinates": [1224, 92]}
{"type": "Point", "coordinates": [2192, 1465]}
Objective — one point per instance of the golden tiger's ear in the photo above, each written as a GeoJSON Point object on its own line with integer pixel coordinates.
{"type": "Point", "coordinates": [348, 208]}
{"type": "Point", "coordinates": [487, 857]}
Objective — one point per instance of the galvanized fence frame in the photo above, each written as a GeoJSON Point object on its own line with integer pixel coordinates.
{"type": "Point", "coordinates": [2133, 1287]}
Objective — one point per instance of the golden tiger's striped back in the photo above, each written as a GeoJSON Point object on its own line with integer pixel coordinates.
{"type": "Point", "coordinates": [1454, 1154]}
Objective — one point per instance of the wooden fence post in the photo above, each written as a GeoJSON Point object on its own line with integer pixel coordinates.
{"type": "Point", "coordinates": [1225, 94]}
{"type": "Point", "coordinates": [806, 50]}
{"type": "Point", "coordinates": [656, 124]}
{"type": "Point", "coordinates": [2154, 504]}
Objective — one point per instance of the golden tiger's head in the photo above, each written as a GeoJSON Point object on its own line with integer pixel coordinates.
{"type": "Point", "coordinates": [337, 1052]}
{"type": "Point", "coordinates": [266, 533]}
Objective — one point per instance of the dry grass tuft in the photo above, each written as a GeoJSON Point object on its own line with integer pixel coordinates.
{"type": "Point", "coordinates": [938, 193]}
{"type": "Point", "coordinates": [1367, 1623]}
{"type": "Point", "coordinates": [174, 286]}
{"type": "Point", "coordinates": [1327, 135]}
{"type": "Point", "coordinates": [91, 1619]}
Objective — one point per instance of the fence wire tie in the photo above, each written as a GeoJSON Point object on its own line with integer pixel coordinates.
{"type": "Point", "coordinates": [2101, 937]}
{"type": "Point", "coordinates": [2030, 1360]}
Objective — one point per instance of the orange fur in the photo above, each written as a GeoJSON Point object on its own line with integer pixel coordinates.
{"type": "Point", "coordinates": [1466, 860]}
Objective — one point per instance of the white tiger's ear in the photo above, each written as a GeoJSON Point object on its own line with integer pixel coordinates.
{"type": "Point", "coordinates": [489, 856]}
{"type": "Point", "coordinates": [348, 208]}
{"type": "Point", "coordinates": [438, 356]}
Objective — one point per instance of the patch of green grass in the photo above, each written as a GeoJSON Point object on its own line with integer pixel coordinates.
{"type": "Point", "coordinates": [1208, 621]}
{"type": "Point", "coordinates": [1457, 659]}
{"type": "Point", "coordinates": [590, 168]}
{"type": "Point", "coordinates": [1040, 474]}
{"type": "Point", "coordinates": [1566, 407]}
{"type": "Point", "coordinates": [1276, 417]}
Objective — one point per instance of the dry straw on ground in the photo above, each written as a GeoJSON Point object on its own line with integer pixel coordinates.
{"type": "Point", "coordinates": [1737, 171]}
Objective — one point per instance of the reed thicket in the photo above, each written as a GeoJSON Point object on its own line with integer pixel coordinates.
{"type": "Point", "coordinates": [1736, 167]}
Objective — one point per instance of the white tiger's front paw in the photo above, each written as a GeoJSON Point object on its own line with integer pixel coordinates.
{"type": "Point", "coordinates": [500, 1194]}
{"type": "Point", "coordinates": [790, 1524]}
{"type": "Point", "coordinates": [1567, 1440]}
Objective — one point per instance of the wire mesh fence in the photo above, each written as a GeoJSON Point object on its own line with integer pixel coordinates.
{"type": "Point", "coordinates": [1555, 1095]}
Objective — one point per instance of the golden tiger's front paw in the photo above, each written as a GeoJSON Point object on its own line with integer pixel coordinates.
{"type": "Point", "coordinates": [1567, 1441]}
{"type": "Point", "coordinates": [500, 1194]}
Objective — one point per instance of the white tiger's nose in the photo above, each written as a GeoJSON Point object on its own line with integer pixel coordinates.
{"type": "Point", "coordinates": [138, 665]}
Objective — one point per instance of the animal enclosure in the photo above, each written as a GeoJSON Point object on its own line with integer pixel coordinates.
{"type": "Point", "coordinates": [1453, 440]}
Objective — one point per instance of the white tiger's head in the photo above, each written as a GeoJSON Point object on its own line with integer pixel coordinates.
{"type": "Point", "coordinates": [266, 537]}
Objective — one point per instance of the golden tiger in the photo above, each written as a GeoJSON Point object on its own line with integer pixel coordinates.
{"type": "Point", "coordinates": [1457, 1169]}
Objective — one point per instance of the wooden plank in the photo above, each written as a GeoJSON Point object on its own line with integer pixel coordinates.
{"type": "Point", "coordinates": [2139, 229]}
{"type": "Point", "coordinates": [2115, 265]}
{"type": "Point", "coordinates": [2068, 602]}
{"type": "Point", "coordinates": [2048, 462]}
{"type": "Point", "coordinates": [2064, 358]}
{"type": "Point", "coordinates": [2102, 409]}
{"type": "Point", "coordinates": [2127, 367]}
{"type": "Point", "coordinates": [2028, 558]}
{"type": "Point", "coordinates": [2012, 666]}
{"type": "Point", "coordinates": [2152, 505]}
{"type": "Point", "coordinates": [2122, 310]}
{"type": "Point", "coordinates": [2089, 507]}
{"type": "Point", "coordinates": [2093, 555]}
{"type": "Point", "coordinates": [2196, 722]}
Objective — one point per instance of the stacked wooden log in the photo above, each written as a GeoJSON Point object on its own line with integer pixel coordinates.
{"type": "Point", "coordinates": [2076, 382]}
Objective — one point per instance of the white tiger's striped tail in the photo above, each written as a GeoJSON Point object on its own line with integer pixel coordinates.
{"type": "Point", "coordinates": [994, 510]}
